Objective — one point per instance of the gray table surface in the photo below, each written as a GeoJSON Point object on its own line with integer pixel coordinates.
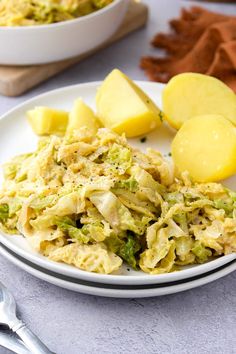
{"type": "Point", "coordinates": [198, 321]}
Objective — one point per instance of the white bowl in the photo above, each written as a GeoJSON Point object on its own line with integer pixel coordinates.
{"type": "Point", "coordinates": [54, 42]}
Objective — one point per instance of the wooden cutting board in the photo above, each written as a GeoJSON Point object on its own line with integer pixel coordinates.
{"type": "Point", "coordinates": [15, 80]}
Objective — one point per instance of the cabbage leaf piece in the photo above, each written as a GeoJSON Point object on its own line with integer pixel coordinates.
{"type": "Point", "coordinates": [115, 213]}
{"type": "Point", "coordinates": [129, 250]}
{"type": "Point", "coordinates": [92, 258]}
{"type": "Point", "coordinates": [201, 252]}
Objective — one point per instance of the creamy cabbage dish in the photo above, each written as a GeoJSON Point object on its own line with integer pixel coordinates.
{"type": "Point", "coordinates": [95, 202]}
{"type": "Point", "coordinates": [39, 12]}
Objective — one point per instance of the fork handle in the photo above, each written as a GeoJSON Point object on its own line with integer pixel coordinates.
{"type": "Point", "coordinates": [32, 342]}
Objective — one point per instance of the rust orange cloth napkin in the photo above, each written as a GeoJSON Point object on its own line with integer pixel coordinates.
{"type": "Point", "coordinates": [201, 41]}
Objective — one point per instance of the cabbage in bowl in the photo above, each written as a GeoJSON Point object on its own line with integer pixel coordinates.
{"type": "Point", "coordinates": [39, 12]}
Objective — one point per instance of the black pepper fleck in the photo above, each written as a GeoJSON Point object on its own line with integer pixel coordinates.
{"type": "Point", "coordinates": [161, 116]}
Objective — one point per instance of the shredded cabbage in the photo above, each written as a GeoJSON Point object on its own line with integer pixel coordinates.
{"type": "Point", "coordinates": [94, 202]}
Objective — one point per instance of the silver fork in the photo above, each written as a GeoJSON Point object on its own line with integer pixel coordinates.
{"type": "Point", "coordinates": [8, 317]}
{"type": "Point", "coordinates": [12, 343]}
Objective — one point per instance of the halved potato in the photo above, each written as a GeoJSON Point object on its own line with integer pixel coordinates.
{"type": "Point", "coordinates": [188, 95]}
{"type": "Point", "coordinates": [205, 146]}
{"type": "Point", "coordinates": [82, 115]}
{"type": "Point", "coordinates": [123, 107]}
{"type": "Point", "coordinates": [46, 121]}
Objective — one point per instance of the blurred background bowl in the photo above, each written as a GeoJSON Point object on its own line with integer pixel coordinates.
{"type": "Point", "coordinates": [42, 44]}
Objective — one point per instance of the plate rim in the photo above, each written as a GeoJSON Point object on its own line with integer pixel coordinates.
{"type": "Point", "coordinates": [76, 273]}
{"type": "Point", "coordinates": [81, 274]}
{"type": "Point", "coordinates": [105, 285]}
{"type": "Point", "coordinates": [119, 293]}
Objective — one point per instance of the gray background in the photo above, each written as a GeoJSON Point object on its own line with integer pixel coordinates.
{"type": "Point", "coordinates": [198, 321]}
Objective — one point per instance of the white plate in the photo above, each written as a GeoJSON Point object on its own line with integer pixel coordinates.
{"type": "Point", "coordinates": [58, 41]}
{"type": "Point", "coordinates": [16, 137]}
{"type": "Point", "coordinates": [116, 291]}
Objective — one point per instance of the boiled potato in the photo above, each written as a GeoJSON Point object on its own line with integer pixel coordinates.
{"type": "Point", "coordinates": [46, 121]}
{"type": "Point", "coordinates": [205, 146]}
{"type": "Point", "coordinates": [188, 95]}
{"type": "Point", "coordinates": [82, 115]}
{"type": "Point", "coordinates": [123, 107]}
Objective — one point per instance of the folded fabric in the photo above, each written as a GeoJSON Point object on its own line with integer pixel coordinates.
{"type": "Point", "coordinates": [201, 41]}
